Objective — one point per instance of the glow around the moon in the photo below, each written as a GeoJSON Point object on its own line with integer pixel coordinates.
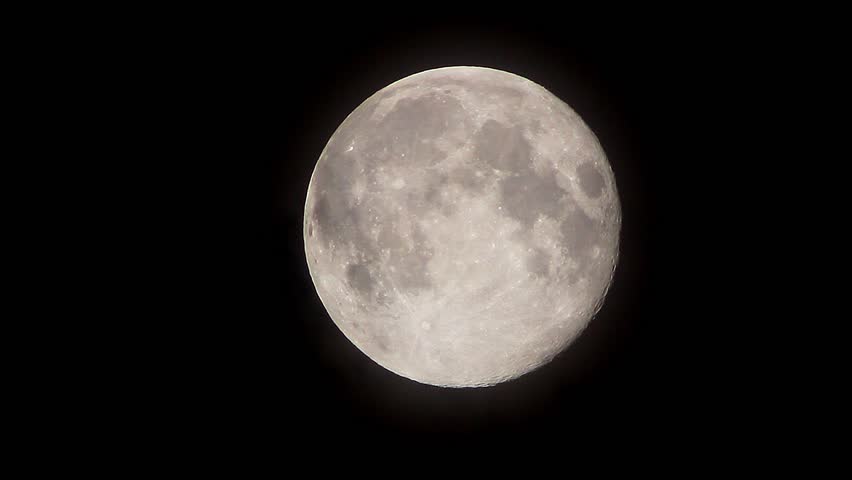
{"type": "Point", "coordinates": [461, 226]}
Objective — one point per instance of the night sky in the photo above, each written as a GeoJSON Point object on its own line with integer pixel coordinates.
{"type": "Point", "coordinates": [266, 362]}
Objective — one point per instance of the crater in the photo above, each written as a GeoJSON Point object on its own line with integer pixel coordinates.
{"type": "Point", "coordinates": [527, 195]}
{"type": "Point", "coordinates": [538, 263]}
{"type": "Point", "coordinates": [502, 147]}
{"type": "Point", "coordinates": [506, 93]}
{"type": "Point", "coordinates": [469, 179]}
{"type": "Point", "coordinates": [325, 215]}
{"type": "Point", "coordinates": [334, 220]}
{"type": "Point", "coordinates": [382, 298]}
{"type": "Point", "coordinates": [335, 173]}
{"type": "Point", "coordinates": [432, 190]}
{"type": "Point", "coordinates": [408, 132]}
{"type": "Point", "coordinates": [380, 340]}
{"type": "Point", "coordinates": [579, 233]}
{"type": "Point", "coordinates": [389, 237]}
{"type": "Point", "coordinates": [358, 277]}
{"type": "Point", "coordinates": [591, 181]}
{"type": "Point", "coordinates": [535, 126]}
{"type": "Point", "coordinates": [433, 196]}
{"type": "Point", "coordinates": [406, 257]}
{"type": "Point", "coordinates": [409, 264]}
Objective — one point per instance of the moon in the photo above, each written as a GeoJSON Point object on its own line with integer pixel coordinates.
{"type": "Point", "coordinates": [461, 226]}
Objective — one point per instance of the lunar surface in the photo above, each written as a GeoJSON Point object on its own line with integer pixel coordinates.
{"type": "Point", "coordinates": [461, 226]}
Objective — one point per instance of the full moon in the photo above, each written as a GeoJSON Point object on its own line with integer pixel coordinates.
{"type": "Point", "coordinates": [461, 226]}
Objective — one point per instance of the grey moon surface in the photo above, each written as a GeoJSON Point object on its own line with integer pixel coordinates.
{"type": "Point", "coordinates": [461, 226]}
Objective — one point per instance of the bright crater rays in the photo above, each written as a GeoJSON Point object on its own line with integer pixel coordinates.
{"type": "Point", "coordinates": [461, 226]}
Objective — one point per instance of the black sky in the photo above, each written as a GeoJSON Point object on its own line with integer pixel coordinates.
{"type": "Point", "coordinates": [266, 361]}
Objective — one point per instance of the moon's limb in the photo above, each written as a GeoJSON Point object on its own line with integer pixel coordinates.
{"type": "Point", "coordinates": [461, 226]}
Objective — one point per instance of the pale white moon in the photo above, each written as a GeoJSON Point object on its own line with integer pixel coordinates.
{"type": "Point", "coordinates": [461, 226]}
